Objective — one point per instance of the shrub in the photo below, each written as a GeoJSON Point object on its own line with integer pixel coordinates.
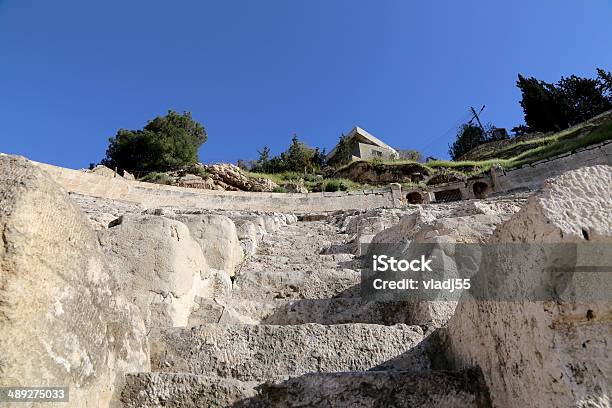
{"type": "Point", "coordinates": [331, 186]}
{"type": "Point", "coordinates": [157, 178]}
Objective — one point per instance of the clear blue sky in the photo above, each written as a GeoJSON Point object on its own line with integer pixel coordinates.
{"type": "Point", "coordinates": [254, 72]}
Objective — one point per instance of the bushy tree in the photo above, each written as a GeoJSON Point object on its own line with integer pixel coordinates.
{"type": "Point", "coordinates": [165, 143]}
{"type": "Point", "coordinates": [542, 105]}
{"type": "Point", "coordinates": [470, 136]}
{"type": "Point", "coordinates": [298, 156]}
{"type": "Point", "coordinates": [551, 107]}
{"type": "Point", "coordinates": [583, 98]}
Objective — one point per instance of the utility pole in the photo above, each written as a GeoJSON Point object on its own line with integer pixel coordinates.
{"type": "Point", "coordinates": [478, 117]}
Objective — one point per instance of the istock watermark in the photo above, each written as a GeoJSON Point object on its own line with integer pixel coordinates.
{"type": "Point", "coordinates": [385, 263]}
{"type": "Point", "coordinates": [504, 272]}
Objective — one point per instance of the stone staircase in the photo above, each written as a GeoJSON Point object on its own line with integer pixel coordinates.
{"type": "Point", "coordinates": [294, 333]}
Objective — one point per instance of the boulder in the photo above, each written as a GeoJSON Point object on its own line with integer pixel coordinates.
{"type": "Point", "coordinates": [218, 239]}
{"type": "Point", "coordinates": [103, 171]}
{"type": "Point", "coordinates": [128, 176]}
{"type": "Point", "coordinates": [547, 352]}
{"type": "Point", "coordinates": [160, 266]}
{"type": "Point", "coordinates": [62, 320]}
{"type": "Point", "coordinates": [295, 187]}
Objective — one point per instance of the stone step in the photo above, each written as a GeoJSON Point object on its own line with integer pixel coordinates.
{"type": "Point", "coordinates": [260, 352]}
{"type": "Point", "coordinates": [296, 284]}
{"type": "Point", "coordinates": [298, 259]}
{"type": "Point", "coordinates": [300, 311]}
{"type": "Point", "coordinates": [343, 389]}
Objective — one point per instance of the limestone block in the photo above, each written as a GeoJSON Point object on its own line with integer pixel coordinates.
{"type": "Point", "coordinates": [158, 264]}
{"type": "Point", "coordinates": [545, 353]}
{"type": "Point", "coordinates": [62, 320]}
{"type": "Point", "coordinates": [218, 239]}
{"type": "Point", "coordinates": [258, 352]}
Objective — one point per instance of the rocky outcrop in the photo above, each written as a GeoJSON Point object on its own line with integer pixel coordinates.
{"type": "Point", "coordinates": [230, 177]}
{"type": "Point", "coordinates": [295, 187]}
{"type": "Point", "coordinates": [62, 321]}
{"type": "Point", "coordinates": [222, 176]}
{"type": "Point", "coordinates": [547, 352]}
{"type": "Point", "coordinates": [103, 171]}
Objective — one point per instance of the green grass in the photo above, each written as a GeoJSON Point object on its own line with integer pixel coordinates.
{"type": "Point", "coordinates": [511, 156]}
{"type": "Point", "coordinates": [562, 145]}
{"type": "Point", "coordinates": [311, 182]}
{"type": "Point", "coordinates": [530, 151]}
{"type": "Point", "coordinates": [378, 162]}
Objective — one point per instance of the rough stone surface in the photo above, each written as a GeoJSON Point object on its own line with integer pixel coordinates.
{"type": "Point", "coordinates": [183, 390]}
{"type": "Point", "coordinates": [290, 328]}
{"type": "Point", "coordinates": [218, 238]}
{"type": "Point", "coordinates": [401, 389]}
{"type": "Point", "coordinates": [257, 352]}
{"type": "Point", "coordinates": [159, 265]}
{"type": "Point", "coordinates": [61, 321]}
{"type": "Point", "coordinates": [295, 187]}
{"type": "Point", "coordinates": [545, 353]}
{"type": "Point", "coordinates": [231, 177]}
{"type": "Point", "coordinates": [101, 212]}
{"type": "Point", "coordinates": [103, 171]}
{"type": "Point", "coordinates": [300, 311]}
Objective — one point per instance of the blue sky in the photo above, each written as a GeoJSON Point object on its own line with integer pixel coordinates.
{"type": "Point", "coordinates": [72, 72]}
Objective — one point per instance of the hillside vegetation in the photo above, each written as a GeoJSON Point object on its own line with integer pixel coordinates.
{"type": "Point", "coordinates": [511, 153]}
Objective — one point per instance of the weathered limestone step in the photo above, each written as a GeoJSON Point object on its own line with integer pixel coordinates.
{"type": "Point", "coordinates": [148, 390]}
{"type": "Point", "coordinates": [299, 260]}
{"type": "Point", "coordinates": [299, 311]}
{"type": "Point", "coordinates": [259, 352]}
{"type": "Point", "coordinates": [297, 284]}
{"type": "Point", "coordinates": [347, 389]}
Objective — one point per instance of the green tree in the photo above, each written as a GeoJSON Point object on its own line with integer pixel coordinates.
{"type": "Point", "coordinates": [552, 107]}
{"type": "Point", "coordinates": [319, 159]}
{"type": "Point", "coordinates": [298, 158]}
{"type": "Point", "coordinates": [263, 163]}
{"type": "Point", "coordinates": [165, 143]}
{"type": "Point", "coordinates": [468, 137]}
{"type": "Point", "coordinates": [584, 98]}
{"type": "Point", "coordinates": [343, 153]}
{"type": "Point", "coordinates": [542, 105]}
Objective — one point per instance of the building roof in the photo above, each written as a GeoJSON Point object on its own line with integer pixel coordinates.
{"type": "Point", "coordinates": [364, 137]}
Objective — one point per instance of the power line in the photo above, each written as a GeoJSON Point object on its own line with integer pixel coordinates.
{"type": "Point", "coordinates": [462, 119]}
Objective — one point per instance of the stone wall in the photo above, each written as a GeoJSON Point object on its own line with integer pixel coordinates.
{"type": "Point", "coordinates": [528, 177]}
{"type": "Point", "coordinates": [155, 195]}
{"type": "Point", "coordinates": [533, 175]}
